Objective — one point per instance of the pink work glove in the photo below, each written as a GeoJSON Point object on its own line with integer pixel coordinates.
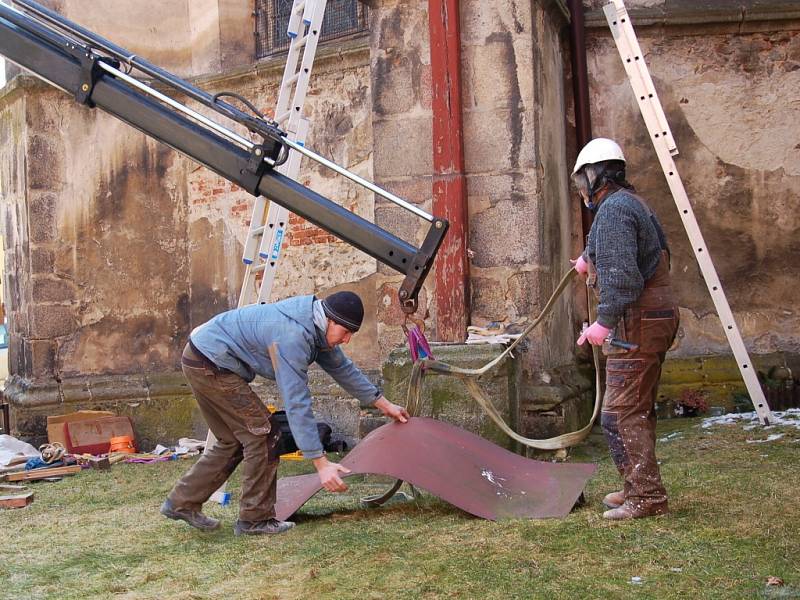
{"type": "Point", "coordinates": [595, 334]}
{"type": "Point", "coordinates": [580, 265]}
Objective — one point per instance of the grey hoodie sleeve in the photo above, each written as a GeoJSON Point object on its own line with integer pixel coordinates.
{"type": "Point", "coordinates": [291, 375]}
{"type": "Point", "coordinates": [347, 375]}
{"type": "Point", "coordinates": [615, 258]}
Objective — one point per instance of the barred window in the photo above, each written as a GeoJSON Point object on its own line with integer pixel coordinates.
{"type": "Point", "coordinates": [342, 18]}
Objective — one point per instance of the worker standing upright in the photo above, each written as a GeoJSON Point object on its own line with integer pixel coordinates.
{"type": "Point", "coordinates": [277, 341]}
{"type": "Point", "coordinates": [627, 263]}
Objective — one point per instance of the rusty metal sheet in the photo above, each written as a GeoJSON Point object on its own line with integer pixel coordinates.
{"type": "Point", "coordinates": [461, 468]}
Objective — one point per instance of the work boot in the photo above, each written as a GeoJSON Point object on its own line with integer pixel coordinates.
{"type": "Point", "coordinates": [270, 526]}
{"type": "Point", "coordinates": [193, 517]}
{"type": "Point", "coordinates": [614, 499]}
{"type": "Point", "coordinates": [629, 511]}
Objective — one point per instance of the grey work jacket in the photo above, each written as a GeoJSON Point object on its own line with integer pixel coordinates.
{"type": "Point", "coordinates": [239, 340]}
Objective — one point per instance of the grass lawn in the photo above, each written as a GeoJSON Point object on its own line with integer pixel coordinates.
{"type": "Point", "coordinates": [735, 522]}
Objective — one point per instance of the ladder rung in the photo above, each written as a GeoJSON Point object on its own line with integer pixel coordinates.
{"type": "Point", "coordinates": [284, 117]}
{"type": "Point", "coordinates": [258, 268]}
{"type": "Point", "coordinates": [289, 82]}
{"type": "Point", "coordinates": [299, 42]}
{"type": "Point", "coordinates": [257, 231]}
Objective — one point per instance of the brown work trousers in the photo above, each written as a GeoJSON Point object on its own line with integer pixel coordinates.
{"type": "Point", "coordinates": [242, 425]}
{"type": "Point", "coordinates": [628, 417]}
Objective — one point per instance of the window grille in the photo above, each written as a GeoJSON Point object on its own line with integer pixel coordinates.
{"type": "Point", "coordinates": [342, 18]}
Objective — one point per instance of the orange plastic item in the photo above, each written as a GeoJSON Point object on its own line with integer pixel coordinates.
{"type": "Point", "coordinates": [123, 443]}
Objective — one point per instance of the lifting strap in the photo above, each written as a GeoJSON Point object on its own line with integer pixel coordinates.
{"type": "Point", "coordinates": [470, 379]}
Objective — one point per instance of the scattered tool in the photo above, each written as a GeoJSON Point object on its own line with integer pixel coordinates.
{"type": "Point", "coordinates": [612, 341]}
{"type": "Point", "coordinates": [95, 462]}
{"type": "Point", "coordinates": [622, 344]}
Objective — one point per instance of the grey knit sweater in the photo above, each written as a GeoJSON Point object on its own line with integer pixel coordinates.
{"type": "Point", "coordinates": [624, 244]}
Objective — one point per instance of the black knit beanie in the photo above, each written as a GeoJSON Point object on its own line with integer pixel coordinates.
{"type": "Point", "coordinates": [345, 308]}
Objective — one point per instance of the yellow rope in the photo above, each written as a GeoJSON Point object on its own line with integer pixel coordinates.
{"type": "Point", "coordinates": [470, 376]}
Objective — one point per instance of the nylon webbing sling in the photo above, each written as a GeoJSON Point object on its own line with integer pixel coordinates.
{"type": "Point", "coordinates": [470, 378]}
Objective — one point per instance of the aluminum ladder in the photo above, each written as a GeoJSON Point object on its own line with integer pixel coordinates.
{"type": "Point", "coordinates": [269, 222]}
{"type": "Point", "coordinates": [653, 113]}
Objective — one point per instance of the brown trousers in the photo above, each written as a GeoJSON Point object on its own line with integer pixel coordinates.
{"type": "Point", "coordinates": [628, 416]}
{"type": "Point", "coordinates": [242, 426]}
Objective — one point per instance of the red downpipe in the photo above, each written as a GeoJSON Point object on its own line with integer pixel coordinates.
{"type": "Point", "coordinates": [449, 181]}
{"type": "Point", "coordinates": [580, 91]}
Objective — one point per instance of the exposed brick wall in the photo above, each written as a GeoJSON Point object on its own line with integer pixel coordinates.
{"type": "Point", "coordinates": [303, 233]}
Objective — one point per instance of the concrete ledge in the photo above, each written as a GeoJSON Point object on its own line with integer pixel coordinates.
{"type": "Point", "coordinates": [717, 376]}
{"type": "Point", "coordinates": [674, 13]}
{"type": "Point", "coordinates": [163, 408]}
{"type": "Point", "coordinates": [329, 58]}
{"type": "Point", "coordinates": [447, 398]}
{"type": "Point", "coordinates": [161, 405]}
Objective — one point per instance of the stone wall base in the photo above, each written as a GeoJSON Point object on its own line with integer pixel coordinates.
{"type": "Point", "coordinates": [718, 377]}
{"type": "Point", "coordinates": [163, 409]}
{"type": "Point", "coordinates": [446, 397]}
{"type": "Point", "coordinates": [162, 406]}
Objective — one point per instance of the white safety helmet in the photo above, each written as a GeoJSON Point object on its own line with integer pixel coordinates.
{"type": "Point", "coordinates": [598, 150]}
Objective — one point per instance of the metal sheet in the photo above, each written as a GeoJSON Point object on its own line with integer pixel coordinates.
{"type": "Point", "coordinates": [458, 467]}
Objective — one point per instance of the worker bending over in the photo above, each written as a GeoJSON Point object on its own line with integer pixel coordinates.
{"type": "Point", "coordinates": [277, 341]}
{"type": "Point", "coordinates": [627, 262]}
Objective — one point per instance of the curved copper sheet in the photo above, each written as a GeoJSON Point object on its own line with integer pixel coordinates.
{"type": "Point", "coordinates": [458, 467]}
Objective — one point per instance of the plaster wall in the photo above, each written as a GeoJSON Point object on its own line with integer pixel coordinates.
{"type": "Point", "coordinates": [96, 249]}
{"type": "Point", "coordinates": [15, 216]}
{"type": "Point", "coordinates": [183, 37]}
{"type": "Point", "coordinates": [726, 91]}
{"type": "Point", "coordinates": [157, 31]}
{"type": "Point", "coordinates": [118, 246]}
{"type": "Point", "coordinates": [135, 245]}
{"type": "Point", "coordinates": [520, 224]}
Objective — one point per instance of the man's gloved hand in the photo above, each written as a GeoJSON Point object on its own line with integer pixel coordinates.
{"type": "Point", "coordinates": [389, 409]}
{"type": "Point", "coordinates": [329, 474]}
{"type": "Point", "coordinates": [595, 334]}
{"type": "Point", "coordinates": [580, 265]}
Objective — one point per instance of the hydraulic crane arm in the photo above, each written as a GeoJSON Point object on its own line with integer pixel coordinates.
{"type": "Point", "coordinates": [88, 67]}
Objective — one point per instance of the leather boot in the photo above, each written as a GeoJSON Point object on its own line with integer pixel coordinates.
{"type": "Point", "coordinates": [268, 526]}
{"type": "Point", "coordinates": [629, 511]}
{"type": "Point", "coordinates": [614, 499]}
{"type": "Point", "coordinates": [193, 517]}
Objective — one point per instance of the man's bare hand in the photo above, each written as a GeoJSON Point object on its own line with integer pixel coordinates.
{"type": "Point", "coordinates": [329, 474]}
{"type": "Point", "coordinates": [389, 409]}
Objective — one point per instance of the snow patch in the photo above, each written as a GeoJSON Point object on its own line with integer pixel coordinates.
{"type": "Point", "coordinates": [788, 418]}
{"type": "Point", "coordinates": [770, 438]}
